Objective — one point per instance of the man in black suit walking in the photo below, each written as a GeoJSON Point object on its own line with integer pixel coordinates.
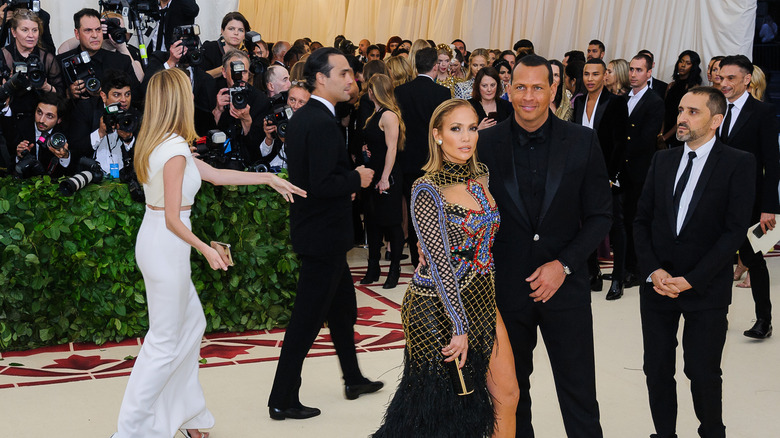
{"type": "Point", "coordinates": [417, 100]}
{"type": "Point", "coordinates": [645, 120]}
{"type": "Point", "coordinates": [750, 125]}
{"type": "Point", "coordinates": [550, 182]}
{"type": "Point", "coordinates": [607, 114]}
{"type": "Point", "coordinates": [692, 216]}
{"type": "Point", "coordinates": [321, 233]}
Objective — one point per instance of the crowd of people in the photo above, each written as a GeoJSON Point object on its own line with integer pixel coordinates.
{"type": "Point", "coordinates": [397, 140]}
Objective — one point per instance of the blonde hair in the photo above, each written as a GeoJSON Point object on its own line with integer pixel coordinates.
{"type": "Point", "coordinates": [382, 88]}
{"type": "Point", "coordinates": [477, 52]}
{"type": "Point", "coordinates": [620, 69]}
{"type": "Point", "coordinates": [169, 110]}
{"type": "Point", "coordinates": [400, 70]}
{"type": "Point", "coordinates": [435, 154]}
{"type": "Point", "coordinates": [296, 72]}
{"type": "Point", "coordinates": [758, 83]}
{"type": "Point", "coordinates": [417, 45]}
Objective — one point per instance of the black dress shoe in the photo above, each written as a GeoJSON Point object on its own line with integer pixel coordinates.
{"type": "Point", "coordinates": [615, 290]}
{"type": "Point", "coordinates": [632, 280]}
{"type": "Point", "coordinates": [392, 277]}
{"type": "Point", "coordinates": [596, 283]}
{"type": "Point", "coordinates": [372, 273]}
{"type": "Point", "coordinates": [607, 277]}
{"type": "Point", "coordinates": [762, 329]}
{"type": "Point", "coordinates": [299, 412]}
{"type": "Point", "coordinates": [351, 392]}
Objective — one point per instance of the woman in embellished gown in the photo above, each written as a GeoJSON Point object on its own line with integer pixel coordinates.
{"type": "Point", "coordinates": [449, 310]}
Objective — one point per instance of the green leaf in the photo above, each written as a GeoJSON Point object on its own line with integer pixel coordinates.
{"type": "Point", "coordinates": [32, 258]}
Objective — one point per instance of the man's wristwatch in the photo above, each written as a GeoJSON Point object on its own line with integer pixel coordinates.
{"type": "Point", "coordinates": [566, 269]}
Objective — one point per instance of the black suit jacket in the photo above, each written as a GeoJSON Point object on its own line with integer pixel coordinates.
{"type": "Point", "coordinates": [659, 87]}
{"type": "Point", "coordinates": [712, 231]}
{"type": "Point", "coordinates": [755, 131]}
{"type": "Point", "coordinates": [503, 108]}
{"type": "Point", "coordinates": [417, 100]}
{"type": "Point", "coordinates": [103, 61]}
{"type": "Point", "coordinates": [49, 161]}
{"type": "Point", "coordinates": [644, 125]}
{"type": "Point", "coordinates": [575, 216]}
{"type": "Point", "coordinates": [610, 122]}
{"type": "Point", "coordinates": [321, 223]}
{"type": "Point", "coordinates": [178, 13]}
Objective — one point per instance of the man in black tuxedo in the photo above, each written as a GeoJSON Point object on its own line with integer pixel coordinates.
{"type": "Point", "coordinates": [417, 100]}
{"type": "Point", "coordinates": [692, 216]}
{"type": "Point", "coordinates": [550, 182]}
{"type": "Point", "coordinates": [655, 84]}
{"type": "Point", "coordinates": [31, 138]}
{"type": "Point", "coordinates": [750, 125]}
{"type": "Point", "coordinates": [645, 120]}
{"type": "Point", "coordinates": [174, 13]}
{"type": "Point", "coordinates": [607, 114]}
{"type": "Point", "coordinates": [321, 233]}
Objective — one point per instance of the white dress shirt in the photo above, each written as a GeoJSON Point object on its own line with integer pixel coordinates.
{"type": "Point", "coordinates": [107, 150]}
{"type": "Point", "coordinates": [585, 121]}
{"type": "Point", "coordinates": [697, 166]}
{"type": "Point", "coordinates": [634, 99]}
{"type": "Point", "coordinates": [735, 110]}
{"type": "Point", "coordinates": [325, 102]}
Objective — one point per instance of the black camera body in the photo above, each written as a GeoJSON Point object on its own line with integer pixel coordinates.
{"type": "Point", "coordinates": [116, 118]}
{"type": "Point", "coordinates": [239, 92]}
{"type": "Point", "coordinates": [279, 117]}
{"type": "Point", "coordinates": [56, 140]}
{"type": "Point", "coordinates": [32, 70]}
{"type": "Point", "coordinates": [212, 150]}
{"type": "Point", "coordinates": [33, 5]}
{"type": "Point", "coordinates": [15, 85]}
{"type": "Point", "coordinates": [79, 67]}
{"type": "Point", "coordinates": [150, 8]}
{"type": "Point", "coordinates": [115, 30]}
{"type": "Point", "coordinates": [28, 166]}
{"type": "Point", "coordinates": [89, 171]}
{"type": "Point", "coordinates": [189, 36]}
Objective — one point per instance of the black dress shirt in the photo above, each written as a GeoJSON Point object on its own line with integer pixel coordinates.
{"type": "Point", "coordinates": [531, 156]}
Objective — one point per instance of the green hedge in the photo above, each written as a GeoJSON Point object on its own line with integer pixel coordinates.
{"type": "Point", "coordinates": [68, 271]}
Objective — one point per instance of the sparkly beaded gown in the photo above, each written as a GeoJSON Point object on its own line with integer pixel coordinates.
{"type": "Point", "coordinates": [454, 294]}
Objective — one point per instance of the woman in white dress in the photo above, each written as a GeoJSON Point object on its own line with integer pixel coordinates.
{"type": "Point", "coordinates": [164, 393]}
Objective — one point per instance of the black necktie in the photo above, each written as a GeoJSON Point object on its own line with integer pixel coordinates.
{"type": "Point", "coordinates": [680, 187]}
{"type": "Point", "coordinates": [161, 32]}
{"type": "Point", "coordinates": [724, 131]}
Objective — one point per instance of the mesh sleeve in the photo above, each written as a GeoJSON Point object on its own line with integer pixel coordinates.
{"type": "Point", "coordinates": [430, 224]}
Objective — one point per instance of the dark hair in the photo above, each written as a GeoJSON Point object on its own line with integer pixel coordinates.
{"type": "Point", "coordinates": [649, 54]}
{"type": "Point", "coordinates": [230, 16]}
{"type": "Point", "coordinates": [377, 66]}
{"type": "Point", "coordinates": [716, 101]}
{"type": "Point", "coordinates": [315, 43]}
{"type": "Point", "coordinates": [498, 63]}
{"type": "Point", "coordinates": [431, 42]}
{"type": "Point", "coordinates": [694, 77]}
{"type": "Point", "coordinates": [53, 99]}
{"type": "Point", "coordinates": [382, 50]}
{"type": "Point", "coordinates": [507, 52]}
{"type": "Point", "coordinates": [459, 41]}
{"type": "Point", "coordinates": [86, 12]}
{"type": "Point", "coordinates": [374, 47]}
{"type": "Point", "coordinates": [338, 39]}
{"type": "Point", "coordinates": [535, 61]}
{"type": "Point", "coordinates": [115, 79]}
{"type": "Point", "coordinates": [523, 43]}
{"type": "Point", "coordinates": [425, 59]}
{"type": "Point", "coordinates": [318, 62]}
{"type": "Point", "coordinates": [559, 88]}
{"type": "Point", "coordinates": [394, 39]}
{"type": "Point", "coordinates": [598, 61]}
{"type": "Point", "coordinates": [597, 43]}
{"type": "Point", "coordinates": [293, 55]}
{"type": "Point", "coordinates": [575, 55]}
{"type": "Point", "coordinates": [399, 50]}
{"type": "Point", "coordinates": [648, 60]}
{"type": "Point", "coordinates": [485, 71]}
{"type": "Point", "coordinates": [354, 64]}
{"type": "Point", "coordinates": [574, 71]}
{"type": "Point", "coordinates": [227, 57]}
{"type": "Point", "coordinates": [406, 41]}
{"type": "Point", "coordinates": [740, 61]}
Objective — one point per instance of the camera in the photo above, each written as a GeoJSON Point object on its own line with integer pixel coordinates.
{"type": "Point", "coordinates": [56, 140]}
{"type": "Point", "coordinates": [115, 30]}
{"type": "Point", "coordinates": [79, 67]}
{"type": "Point", "coordinates": [128, 176]}
{"type": "Point", "coordinates": [239, 93]}
{"type": "Point", "coordinates": [214, 149]}
{"type": "Point", "coordinates": [279, 118]}
{"type": "Point", "coordinates": [29, 166]}
{"type": "Point", "coordinates": [122, 120]}
{"type": "Point", "coordinates": [189, 36]}
{"type": "Point", "coordinates": [213, 141]}
{"type": "Point", "coordinates": [14, 85]}
{"type": "Point", "coordinates": [32, 70]}
{"type": "Point", "coordinates": [150, 8]}
{"type": "Point", "coordinates": [90, 171]}
{"type": "Point", "coordinates": [33, 5]}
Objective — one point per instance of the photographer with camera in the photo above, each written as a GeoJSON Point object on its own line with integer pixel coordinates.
{"type": "Point", "coordinates": [85, 66]}
{"type": "Point", "coordinates": [239, 110]}
{"type": "Point", "coordinates": [41, 147]}
{"type": "Point", "coordinates": [232, 37]}
{"type": "Point", "coordinates": [105, 129]}
{"type": "Point", "coordinates": [274, 157]}
{"type": "Point", "coordinates": [173, 13]}
{"type": "Point", "coordinates": [7, 8]}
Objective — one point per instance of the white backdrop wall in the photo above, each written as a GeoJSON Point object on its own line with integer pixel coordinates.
{"type": "Point", "coordinates": [665, 27]}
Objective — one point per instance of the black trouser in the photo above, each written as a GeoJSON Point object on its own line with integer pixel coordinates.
{"type": "Point", "coordinates": [617, 240]}
{"type": "Point", "coordinates": [395, 235]}
{"type": "Point", "coordinates": [408, 181]}
{"type": "Point", "coordinates": [704, 335]}
{"type": "Point", "coordinates": [325, 293]}
{"type": "Point", "coordinates": [568, 336]}
{"type": "Point", "coordinates": [759, 279]}
{"type": "Point", "coordinates": [630, 199]}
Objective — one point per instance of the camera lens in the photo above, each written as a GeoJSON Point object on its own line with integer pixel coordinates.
{"type": "Point", "coordinates": [57, 140]}
{"type": "Point", "coordinates": [92, 84]}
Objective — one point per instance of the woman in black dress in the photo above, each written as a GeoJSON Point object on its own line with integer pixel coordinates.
{"type": "Point", "coordinates": [686, 76]}
{"type": "Point", "coordinates": [485, 99]}
{"type": "Point", "coordinates": [234, 29]}
{"type": "Point", "coordinates": [384, 134]}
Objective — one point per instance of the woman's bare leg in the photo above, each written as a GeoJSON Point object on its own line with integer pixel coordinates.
{"type": "Point", "coordinates": [502, 382]}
